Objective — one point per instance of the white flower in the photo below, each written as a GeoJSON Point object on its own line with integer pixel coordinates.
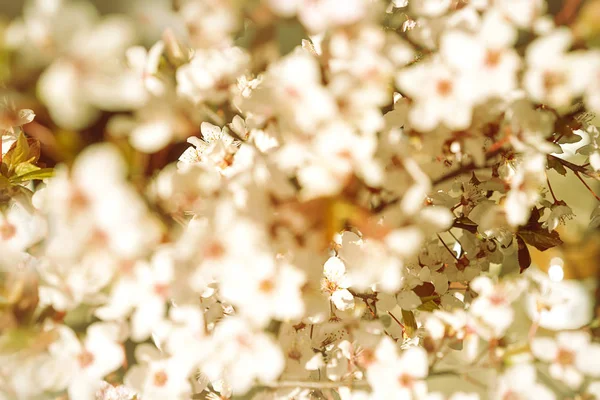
{"type": "Point", "coordinates": [21, 226]}
{"type": "Point", "coordinates": [522, 13]}
{"type": "Point", "coordinates": [558, 213]}
{"type": "Point", "coordinates": [240, 355]}
{"type": "Point", "coordinates": [525, 189]}
{"type": "Point", "coordinates": [554, 76]}
{"type": "Point", "coordinates": [145, 64]}
{"type": "Point", "coordinates": [571, 354]}
{"type": "Point", "coordinates": [155, 125]}
{"type": "Point", "coordinates": [299, 354]}
{"type": "Point", "coordinates": [519, 382]}
{"type": "Point", "coordinates": [265, 289]}
{"type": "Point", "coordinates": [89, 77]}
{"type": "Point", "coordinates": [210, 24]}
{"type": "Point", "coordinates": [217, 147]}
{"type": "Point", "coordinates": [368, 263]}
{"type": "Point", "coordinates": [83, 365]}
{"type": "Point", "coordinates": [493, 305]}
{"type": "Point", "coordinates": [157, 376]}
{"type": "Point", "coordinates": [110, 392]}
{"type": "Point", "coordinates": [559, 305]}
{"type": "Point", "coordinates": [145, 289]}
{"type": "Point", "coordinates": [398, 376]}
{"type": "Point", "coordinates": [320, 15]}
{"type": "Point", "coordinates": [292, 90]}
{"type": "Point", "coordinates": [336, 283]}
{"type": "Point", "coordinates": [209, 74]}
{"type": "Point", "coordinates": [487, 56]}
{"type": "Point", "coordinates": [440, 96]}
{"type": "Point", "coordinates": [429, 8]}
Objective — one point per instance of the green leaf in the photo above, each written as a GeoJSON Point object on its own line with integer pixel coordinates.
{"type": "Point", "coordinates": [4, 182]}
{"type": "Point", "coordinates": [25, 168]}
{"type": "Point", "coordinates": [23, 150]}
{"type": "Point", "coordinates": [289, 35]}
{"type": "Point", "coordinates": [19, 151]}
{"type": "Point", "coordinates": [541, 239]}
{"type": "Point", "coordinates": [429, 306]}
{"type": "Point", "coordinates": [39, 174]}
{"type": "Point", "coordinates": [410, 323]}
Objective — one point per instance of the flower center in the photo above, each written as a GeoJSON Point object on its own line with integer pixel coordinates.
{"type": "Point", "coordinates": [214, 250]}
{"type": "Point", "coordinates": [497, 299]}
{"type": "Point", "coordinates": [492, 58]}
{"type": "Point", "coordinates": [405, 380]}
{"type": "Point", "coordinates": [565, 357]}
{"type": "Point", "coordinates": [329, 286]}
{"type": "Point", "coordinates": [85, 359]}
{"type": "Point", "coordinates": [160, 378]}
{"type": "Point", "coordinates": [266, 286]}
{"type": "Point", "coordinates": [552, 79]}
{"type": "Point", "coordinates": [7, 231]}
{"type": "Point", "coordinates": [161, 290]}
{"type": "Point", "coordinates": [444, 87]}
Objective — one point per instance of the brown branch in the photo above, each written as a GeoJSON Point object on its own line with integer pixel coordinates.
{"type": "Point", "coordinates": [566, 15]}
{"type": "Point", "coordinates": [570, 165]}
{"type": "Point", "coordinates": [551, 191]}
{"type": "Point", "coordinates": [464, 169]}
{"type": "Point", "coordinates": [470, 167]}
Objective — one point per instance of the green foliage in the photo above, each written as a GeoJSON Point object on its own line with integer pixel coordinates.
{"type": "Point", "coordinates": [19, 163]}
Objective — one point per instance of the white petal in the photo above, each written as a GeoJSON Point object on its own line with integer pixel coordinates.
{"type": "Point", "coordinates": [588, 360]}
{"type": "Point", "coordinates": [334, 269]}
{"type": "Point", "coordinates": [544, 348]}
{"type": "Point", "coordinates": [342, 299]}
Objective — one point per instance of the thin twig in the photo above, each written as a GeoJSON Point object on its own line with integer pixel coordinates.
{"type": "Point", "coordinates": [446, 246]}
{"type": "Point", "coordinates": [396, 319]}
{"type": "Point", "coordinates": [551, 191]}
{"type": "Point", "coordinates": [586, 185]}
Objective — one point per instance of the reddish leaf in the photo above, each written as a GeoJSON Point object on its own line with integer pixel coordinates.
{"type": "Point", "coordinates": [540, 238]}
{"type": "Point", "coordinates": [523, 255]}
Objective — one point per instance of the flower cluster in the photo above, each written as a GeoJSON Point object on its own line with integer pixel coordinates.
{"type": "Point", "coordinates": [295, 199]}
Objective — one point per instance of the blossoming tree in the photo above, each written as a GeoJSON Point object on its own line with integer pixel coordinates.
{"type": "Point", "coordinates": [362, 210]}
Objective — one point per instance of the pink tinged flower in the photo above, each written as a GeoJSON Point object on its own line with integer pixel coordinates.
{"type": "Point", "coordinates": [157, 376]}
{"type": "Point", "coordinates": [440, 97]}
{"type": "Point", "coordinates": [487, 56]}
{"type": "Point", "coordinates": [85, 364]}
{"type": "Point", "coordinates": [572, 355]}
{"type": "Point", "coordinates": [493, 306]}
{"type": "Point", "coordinates": [555, 76]}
